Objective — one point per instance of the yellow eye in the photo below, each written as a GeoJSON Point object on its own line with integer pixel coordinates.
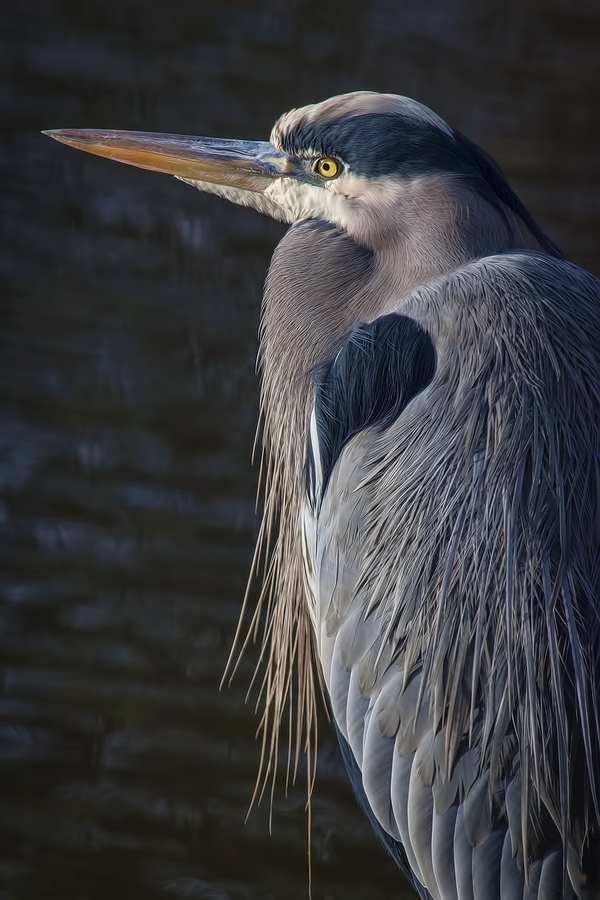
{"type": "Point", "coordinates": [327, 167]}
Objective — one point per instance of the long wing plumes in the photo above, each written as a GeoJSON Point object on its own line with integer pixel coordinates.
{"type": "Point", "coordinates": [483, 534]}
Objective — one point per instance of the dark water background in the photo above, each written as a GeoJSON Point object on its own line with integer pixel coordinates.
{"type": "Point", "coordinates": [128, 318]}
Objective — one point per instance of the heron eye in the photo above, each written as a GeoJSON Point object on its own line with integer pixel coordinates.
{"type": "Point", "coordinates": [327, 167]}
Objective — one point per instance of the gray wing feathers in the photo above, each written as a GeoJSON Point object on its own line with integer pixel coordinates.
{"type": "Point", "coordinates": [387, 709]}
{"type": "Point", "coordinates": [399, 786]}
{"type": "Point", "coordinates": [531, 889]}
{"type": "Point", "coordinates": [443, 819]}
{"type": "Point", "coordinates": [378, 753]}
{"type": "Point", "coordinates": [448, 786]}
{"type": "Point", "coordinates": [512, 802]}
{"type": "Point", "coordinates": [420, 820]}
{"type": "Point", "coordinates": [339, 687]}
{"type": "Point", "coordinates": [356, 711]}
{"type": "Point", "coordinates": [486, 866]}
{"type": "Point", "coordinates": [512, 876]}
{"type": "Point", "coordinates": [454, 842]}
{"type": "Point", "coordinates": [456, 845]}
{"type": "Point", "coordinates": [478, 811]}
{"type": "Point", "coordinates": [414, 722]}
{"type": "Point", "coordinates": [463, 858]}
{"type": "Point", "coordinates": [442, 851]}
{"type": "Point", "coordinates": [551, 879]}
{"type": "Point", "coordinates": [390, 526]}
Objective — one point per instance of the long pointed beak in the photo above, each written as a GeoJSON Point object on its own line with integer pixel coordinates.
{"type": "Point", "coordinates": [250, 165]}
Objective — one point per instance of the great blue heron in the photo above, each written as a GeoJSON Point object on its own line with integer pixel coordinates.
{"type": "Point", "coordinates": [431, 411]}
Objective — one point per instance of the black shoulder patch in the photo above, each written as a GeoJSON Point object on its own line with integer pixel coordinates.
{"type": "Point", "coordinates": [380, 368]}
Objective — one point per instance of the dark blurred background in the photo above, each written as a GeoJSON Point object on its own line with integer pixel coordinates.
{"type": "Point", "coordinates": [129, 312]}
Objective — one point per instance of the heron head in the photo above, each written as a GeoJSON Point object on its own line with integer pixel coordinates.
{"type": "Point", "coordinates": [369, 163]}
{"type": "Point", "coordinates": [374, 165]}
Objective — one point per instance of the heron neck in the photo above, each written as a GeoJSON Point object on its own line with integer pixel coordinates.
{"type": "Point", "coordinates": [323, 281]}
{"type": "Point", "coordinates": [440, 227]}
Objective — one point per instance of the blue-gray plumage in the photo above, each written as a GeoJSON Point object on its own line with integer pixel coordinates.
{"type": "Point", "coordinates": [430, 415]}
{"type": "Point", "coordinates": [512, 876]}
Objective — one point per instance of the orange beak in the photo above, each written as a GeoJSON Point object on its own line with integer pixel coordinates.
{"type": "Point", "coordinates": [249, 165]}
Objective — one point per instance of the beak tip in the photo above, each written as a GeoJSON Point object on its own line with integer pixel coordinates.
{"type": "Point", "coordinates": [79, 138]}
{"type": "Point", "coordinates": [56, 134]}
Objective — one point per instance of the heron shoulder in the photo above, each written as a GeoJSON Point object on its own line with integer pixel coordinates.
{"type": "Point", "coordinates": [524, 277]}
{"type": "Point", "coordinates": [520, 300]}
{"type": "Point", "coordinates": [378, 370]}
